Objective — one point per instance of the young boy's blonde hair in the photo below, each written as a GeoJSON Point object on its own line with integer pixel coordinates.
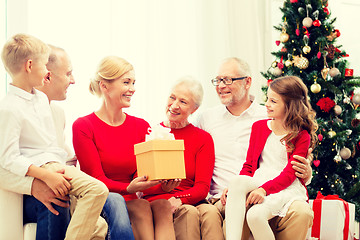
{"type": "Point", "coordinates": [19, 49]}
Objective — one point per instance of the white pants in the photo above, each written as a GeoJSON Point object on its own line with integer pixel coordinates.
{"type": "Point", "coordinates": [257, 216]}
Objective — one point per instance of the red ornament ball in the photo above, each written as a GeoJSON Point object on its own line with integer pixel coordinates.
{"type": "Point", "coordinates": [320, 137]}
{"type": "Point", "coordinates": [326, 10]}
{"type": "Point", "coordinates": [337, 32]}
{"type": "Point", "coordinates": [293, 1]}
{"type": "Point", "coordinates": [316, 23]}
{"type": "Point", "coordinates": [280, 65]}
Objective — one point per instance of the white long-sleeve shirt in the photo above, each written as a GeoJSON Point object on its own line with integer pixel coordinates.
{"type": "Point", "coordinates": [28, 133]}
{"type": "Point", "coordinates": [231, 136]}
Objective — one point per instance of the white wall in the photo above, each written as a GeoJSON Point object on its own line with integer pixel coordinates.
{"type": "Point", "coordinates": [347, 14]}
{"type": "Point", "coordinates": [163, 39]}
{"type": "Point", "coordinates": [2, 41]}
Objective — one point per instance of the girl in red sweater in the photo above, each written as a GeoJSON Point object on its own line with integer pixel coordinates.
{"type": "Point", "coordinates": [267, 176]}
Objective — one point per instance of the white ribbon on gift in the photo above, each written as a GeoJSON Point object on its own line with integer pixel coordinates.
{"type": "Point", "coordinates": [159, 132]}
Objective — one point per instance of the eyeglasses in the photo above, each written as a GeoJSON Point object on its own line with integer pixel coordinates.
{"type": "Point", "coordinates": [225, 80]}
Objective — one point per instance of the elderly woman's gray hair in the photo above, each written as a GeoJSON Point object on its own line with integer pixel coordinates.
{"type": "Point", "coordinates": [194, 87]}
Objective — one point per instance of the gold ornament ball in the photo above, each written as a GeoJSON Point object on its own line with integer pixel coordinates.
{"type": "Point", "coordinates": [277, 71]}
{"type": "Point", "coordinates": [334, 72]}
{"type": "Point", "coordinates": [332, 134]}
{"type": "Point", "coordinates": [307, 22]}
{"type": "Point", "coordinates": [288, 63]}
{"type": "Point", "coordinates": [356, 99]}
{"type": "Point", "coordinates": [306, 49]}
{"type": "Point", "coordinates": [315, 88]}
{"type": "Point", "coordinates": [303, 63]}
{"type": "Point", "coordinates": [324, 72]}
{"type": "Point", "coordinates": [345, 153]}
{"type": "Point", "coordinates": [337, 109]}
{"type": "Point", "coordinates": [284, 37]}
{"type": "Point", "coordinates": [274, 64]}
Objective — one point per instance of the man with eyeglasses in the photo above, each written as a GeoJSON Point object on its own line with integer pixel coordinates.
{"type": "Point", "coordinates": [230, 125]}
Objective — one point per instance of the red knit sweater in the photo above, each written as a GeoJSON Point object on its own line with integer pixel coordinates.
{"type": "Point", "coordinates": [259, 134]}
{"type": "Point", "coordinates": [199, 165]}
{"type": "Point", "coordinates": [106, 152]}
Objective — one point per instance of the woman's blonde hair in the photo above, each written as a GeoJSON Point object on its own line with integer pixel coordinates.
{"type": "Point", "coordinates": [109, 69]}
{"type": "Point", "coordinates": [299, 114]}
{"type": "Point", "coordinates": [19, 49]}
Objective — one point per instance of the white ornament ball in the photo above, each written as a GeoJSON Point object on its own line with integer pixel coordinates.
{"type": "Point", "coordinates": [356, 99]}
{"type": "Point", "coordinates": [315, 88]}
{"type": "Point", "coordinates": [334, 72]}
{"type": "Point", "coordinates": [345, 153]}
{"type": "Point", "coordinates": [337, 109]}
{"type": "Point", "coordinates": [277, 71]}
{"type": "Point", "coordinates": [307, 22]}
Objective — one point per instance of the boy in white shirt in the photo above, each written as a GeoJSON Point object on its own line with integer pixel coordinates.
{"type": "Point", "coordinates": [28, 144]}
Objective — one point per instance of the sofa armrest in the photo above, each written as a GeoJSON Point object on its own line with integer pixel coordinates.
{"type": "Point", "coordinates": [11, 215]}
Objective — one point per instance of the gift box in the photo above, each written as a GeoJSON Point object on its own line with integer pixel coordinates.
{"type": "Point", "coordinates": [334, 218]}
{"type": "Point", "coordinates": [160, 159]}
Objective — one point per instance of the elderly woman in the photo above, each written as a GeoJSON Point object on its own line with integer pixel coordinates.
{"type": "Point", "coordinates": [104, 145]}
{"type": "Point", "coordinates": [184, 99]}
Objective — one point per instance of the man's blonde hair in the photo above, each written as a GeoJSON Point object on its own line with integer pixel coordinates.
{"type": "Point", "coordinates": [19, 49]}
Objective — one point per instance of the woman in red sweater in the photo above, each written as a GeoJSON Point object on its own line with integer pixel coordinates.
{"type": "Point", "coordinates": [186, 198]}
{"type": "Point", "coordinates": [267, 176]}
{"type": "Point", "coordinates": [104, 145]}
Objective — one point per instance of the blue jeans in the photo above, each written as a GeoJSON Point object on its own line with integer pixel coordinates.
{"type": "Point", "coordinates": [116, 215]}
{"type": "Point", "coordinates": [49, 225]}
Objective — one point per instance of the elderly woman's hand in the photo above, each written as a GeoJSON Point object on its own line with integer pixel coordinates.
{"type": "Point", "coordinates": [141, 183]}
{"type": "Point", "coordinates": [175, 203]}
{"type": "Point", "coordinates": [303, 167]}
{"type": "Point", "coordinates": [169, 185]}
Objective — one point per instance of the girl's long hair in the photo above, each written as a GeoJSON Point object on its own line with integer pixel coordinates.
{"type": "Point", "coordinates": [299, 114]}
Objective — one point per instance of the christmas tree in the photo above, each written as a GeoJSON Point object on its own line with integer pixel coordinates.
{"type": "Point", "coordinates": [308, 49]}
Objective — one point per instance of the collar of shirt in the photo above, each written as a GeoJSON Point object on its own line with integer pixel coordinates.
{"type": "Point", "coordinates": [250, 111]}
{"type": "Point", "coordinates": [22, 93]}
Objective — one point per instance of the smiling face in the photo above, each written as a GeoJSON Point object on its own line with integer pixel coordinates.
{"type": "Point", "coordinates": [236, 92]}
{"type": "Point", "coordinates": [38, 70]}
{"type": "Point", "coordinates": [275, 105]}
{"type": "Point", "coordinates": [180, 105]}
{"type": "Point", "coordinates": [61, 76]}
{"type": "Point", "coordinates": [120, 91]}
